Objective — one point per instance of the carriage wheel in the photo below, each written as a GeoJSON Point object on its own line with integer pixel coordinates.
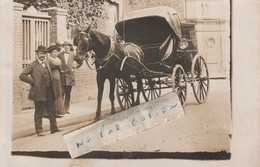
{"type": "Point", "coordinates": [151, 90]}
{"type": "Point", "coordinates": [124, 95]}
{"type": "Point", "coordinates": [200, 79]}
{"type": "Point", "coordinates": [179, 83]}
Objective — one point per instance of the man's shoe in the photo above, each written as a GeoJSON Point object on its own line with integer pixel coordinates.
{"type": "Point", "coordinates": [57, 130]}
{"type": "Point", "coordinates": [40, 134]}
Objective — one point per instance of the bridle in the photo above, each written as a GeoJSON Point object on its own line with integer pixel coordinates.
{"type": "Point", "coordinates": [85, 52]}
{"type": "Point", "coordinates": [101, 61]}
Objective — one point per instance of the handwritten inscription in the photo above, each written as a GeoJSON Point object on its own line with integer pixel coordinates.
{"type": "Point", "coordinates": [123, 124]}
{"type": "Point", "coordinates": [133, 123]}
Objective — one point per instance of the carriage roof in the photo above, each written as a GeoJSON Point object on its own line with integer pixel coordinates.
{"type": "Point", "coordinates": [155, 22]}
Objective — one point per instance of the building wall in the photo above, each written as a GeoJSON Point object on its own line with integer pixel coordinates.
{"type": "Point", "coordinates": [212, 19]}
{"type": "Point", "coordinates": [85, 87]}
{"type": "Point", "coordinates": [132, 5]}
{"type": "Point", "coordinates": [17, 56]}
{"type": "Point", "coordinates": [107, 25]}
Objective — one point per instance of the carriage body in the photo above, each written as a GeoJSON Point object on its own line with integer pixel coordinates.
{"type": "Point", "coordinates": [169, 47]}
{"type": "Point", "coordinates": [158, 31]}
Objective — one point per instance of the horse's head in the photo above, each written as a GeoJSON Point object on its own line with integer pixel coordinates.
{"type": "Point", "coordinates": [83, 42]}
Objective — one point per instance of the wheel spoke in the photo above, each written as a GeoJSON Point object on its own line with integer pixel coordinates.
{"type": "Point", "coordinates": [204, 83]}
{"type": "Point", "coordinates": [120, 87]}
{"type": "Point", "coordinates": [202, 64]}
{"type": "Point", "coordinates": [123, 98]}
{"type": "Point", "coordinates": [156, 93]}
{"type": "Point", "coordinates": [128, 102]}
{"type": "Point", "coordinates": [124, 103]}
{"type": "Point", "coordinates": [152, 94]}
{"type": "Point", "coordinates": [198, 90]}
{"type": "Point", "coordinates": [204, 90]}
{"type": "Point", "coordinates": [149, 92]}
{"type": "Point", "coordinates": [120, 80]}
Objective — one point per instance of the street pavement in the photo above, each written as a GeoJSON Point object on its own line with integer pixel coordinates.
{"type": "Point", "coordinates": [204, 128]}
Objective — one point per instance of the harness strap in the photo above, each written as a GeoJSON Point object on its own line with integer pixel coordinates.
{"type": "Point", "coordinates": [123, 62]}
{"type": "Point", "coordinates": [108, 54]}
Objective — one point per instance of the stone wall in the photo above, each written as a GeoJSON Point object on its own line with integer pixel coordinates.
{"type": "Point", "coordinates": [17, 56]}
{"type": "Point", "coordinates": [85, 87]}
{"type": "Point", "coordinates": [58, 29]}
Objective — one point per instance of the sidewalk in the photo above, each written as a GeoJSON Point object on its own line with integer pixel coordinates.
{"type": "Point", "coordinates": [23, 124]}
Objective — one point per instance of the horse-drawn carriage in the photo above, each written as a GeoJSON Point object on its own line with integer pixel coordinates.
{"type": "Point", "coordinates": [171, 58]}
{"type": "Point", "coordinates": [156, 51]}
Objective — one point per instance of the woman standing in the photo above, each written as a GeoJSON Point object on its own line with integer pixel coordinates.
{"type": "Point", "coordinates": [55, 63]}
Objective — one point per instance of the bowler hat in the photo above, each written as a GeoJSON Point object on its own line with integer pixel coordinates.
{"type": "Point", "coordinates": [54, 46]}
{"type": "Point", "coordinates": [67, 42]}
{"type": "Point", "coordinates": [41, 48]}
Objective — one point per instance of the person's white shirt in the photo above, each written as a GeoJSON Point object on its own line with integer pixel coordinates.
{"type": "Point", "coordinates": [66, 57]}
{"type": "Point", "coordinates": [42, 62]}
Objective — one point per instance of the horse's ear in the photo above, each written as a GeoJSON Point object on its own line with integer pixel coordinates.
{"type": "Point", "coordinates": [89, 27]}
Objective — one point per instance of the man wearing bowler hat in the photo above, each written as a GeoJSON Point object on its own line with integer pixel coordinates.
{"type": "Point", "coordinates": [39, 76]}
{"type": "Point", "coordinates": [68, 65]}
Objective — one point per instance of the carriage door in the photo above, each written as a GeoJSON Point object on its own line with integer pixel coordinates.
{"type": "Point", "coordinates": [35, 33]}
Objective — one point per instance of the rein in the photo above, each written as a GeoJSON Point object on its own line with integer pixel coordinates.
{"type": "Point", "coordinates": [107, 57]}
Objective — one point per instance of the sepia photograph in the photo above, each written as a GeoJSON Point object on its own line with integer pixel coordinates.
{"type": "Point", "coordinates": [79, 62]}
{"type": "Point", "coordinates": [128, 80]}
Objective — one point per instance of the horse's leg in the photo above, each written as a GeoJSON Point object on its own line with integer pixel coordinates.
{"type": "Point", "coordinates": [139, 88]}
{"type": "Point", "coordinates": [112, 94]}
{"type": "Point", "coordinates": [131, 90]}
{"type": "Point", "coordinates": [100, 83]}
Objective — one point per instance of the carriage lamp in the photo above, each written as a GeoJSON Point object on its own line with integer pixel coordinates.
{"type": "Point", "coordinates": [183, 44]}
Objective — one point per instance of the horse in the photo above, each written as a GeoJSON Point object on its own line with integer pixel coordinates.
{"type": "Point", "coordinates": [109, 56]}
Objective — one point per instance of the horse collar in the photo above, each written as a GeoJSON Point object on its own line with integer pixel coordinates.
{"type": "Point", "coordinates": [111, 49]}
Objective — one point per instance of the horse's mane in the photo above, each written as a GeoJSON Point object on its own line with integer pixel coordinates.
{"type": "Point", "coordinates": [100, 41]}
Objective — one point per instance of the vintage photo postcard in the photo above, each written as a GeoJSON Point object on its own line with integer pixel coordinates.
{"type": "Point", "coordinates": [126, 80]}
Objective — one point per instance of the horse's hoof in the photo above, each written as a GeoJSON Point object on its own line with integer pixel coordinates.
{"type": "Point", "coordinates": [96, 119]}
{"type": "Point", "coordinates": [113, 112]}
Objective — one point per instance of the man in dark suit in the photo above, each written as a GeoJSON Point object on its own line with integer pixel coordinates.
{"type": "Point", "coordinates": [39, 76]}
{"type": "Point", "coordinates": [68, 65]}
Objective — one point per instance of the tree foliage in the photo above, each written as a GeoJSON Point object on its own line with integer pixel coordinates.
{"type": "Point", "coordinates": [38, 4]}
{"type": "Point", "coordinates": [79, 12]}
{"type": "Point", "coordinates": [82, 12]}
